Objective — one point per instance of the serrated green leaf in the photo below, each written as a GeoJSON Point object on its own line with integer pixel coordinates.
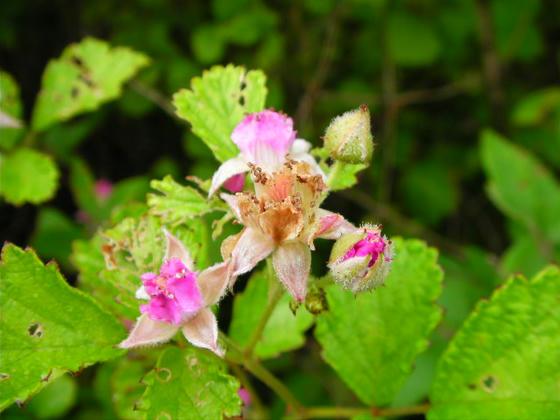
{"type": "Point", "coordinates": [283, 331]}
{"type": "Point", "coordinates": [27, 176]}
{"type": "Point", "coordinates": [189, 384]}
{"type": "Point", "coordinates": [521, 186]}
{"type": "Point", "coordinates": [504, 363]}
{"type": "Point", "coordinates": [46, 326]}
{"type": "Point", "coordinates": [86, 75]}
{"type": "Point", "coordinates": [214, 107]}
{"type": "Point", "coordinates": [11, 112]}
{"type": "Point", "coordinates": [178, 202]}
{"type": "Point", "coordinates": [371, 340]}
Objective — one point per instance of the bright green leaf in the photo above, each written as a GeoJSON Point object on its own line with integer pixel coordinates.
{"type": "Point", "coordinates": [504, 363]}
{"type": "Point", "coordinates": [371, 340]}
{"type": "Point", "coordinates": [535, 107]}
{"type": "Point", "coordinates": [283, 331]}
{"type": "Point", "coordinates": [189, 384]}
{"type": "Point", "coordinates": [46, 326]}
{"type": "Point", "coordinates": [11, 112]}
{"type": "Point", "coordinates": [520, 186]}
{"type": "Point", "coordinates": [86, 75]}
{"type": "Point", "coordinates": [27, 176]}
{"type": "Point", "coordinates": [178, 202]}
{"type": "Point", "coordinates": [214, 105]}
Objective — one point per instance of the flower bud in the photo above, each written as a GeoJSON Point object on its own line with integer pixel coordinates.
{"type": "Point", "coordinates": [361, 261]}
{"type": "Point", "coordinates": [348, 138]}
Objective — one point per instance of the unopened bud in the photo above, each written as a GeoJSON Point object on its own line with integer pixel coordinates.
{"type": "Point", "coordinates": [316, 300]}
{"type": "Point", "coordinates": [348, 138]}
{"type": "Point", "coordinates": [361, 261]}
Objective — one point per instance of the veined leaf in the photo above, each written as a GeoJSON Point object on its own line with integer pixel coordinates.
{"type": "Point", "coordinates": [11, 112]}
{"type": "Point", "coordinates": [371, 340]}
{"type": "Point", "coordinates": [86, 75]}
{"type": "Point", "coordinates": [46, 326]}
{"type": "Point", "coordinates": [190, 383]}
{"type": "Point", "coordinates": [218, 101]}
{"type": "Point", "coordinates": [504, 363]}
{"type": "Point", "coordinates": [284, 331]}
{"type": "Point", "coordinates": [27, 176]}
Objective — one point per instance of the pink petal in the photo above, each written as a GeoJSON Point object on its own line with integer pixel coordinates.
{"type": "Point", "coordinates": [186, 293]}
{"type": "Point", "coordinates": [176, 249]}
{"type": "Point", "coordinates": [292, 262]}
{"type": "Point", "coordinates": [245, 396]}
{"type": "Point", "coordinates": [163, 309]}
{"type": "Point", "coordinates": [202, 331]}
{"type": "Point", "coordinates": [235, 184]}
{"type": "Point", "coordinates": [228, 169]}
{"type": "Point", "coordinates": [333, 225]}
{"type": "Point", "coordinates": [251, 248]}
{"type": "Point", "coordinates": [103, 188]}
{"type": "Point", "coordinates": [148, 280]}
{"type": "Point", "coordinates": [212, 282]}
{"type": "Point", "coordinates": [148, 332]}
{"type": "Point", "coordinates": [299, 152]}
{"type": "Point", "coordinates": [266, 127]}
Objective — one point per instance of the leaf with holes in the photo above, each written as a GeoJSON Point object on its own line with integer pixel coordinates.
{"type": "Point", "coordinates": [190, 383]}
{"type": "Point", "coordinates": [371, 340]}
{"type": "Point", "coordinates": [283, 331]}
{"type": "Point", "coordinates": [27, 176]}
{"type": "Point", "coordinates": [86, 75]}
{"type": "Point", "coordinates": [178, 202]}
{"type": "Point", "coordinates": [46, 326]}
{"type": "Point", "coordinates": [521, 186]}
{"type": "Point", "coordinates": [218, 101]}
{"type": "Point", "coordinates": [504, 363]}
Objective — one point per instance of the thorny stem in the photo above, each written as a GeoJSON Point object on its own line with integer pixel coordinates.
{"type": "Point", "coordinates": [276, 292]}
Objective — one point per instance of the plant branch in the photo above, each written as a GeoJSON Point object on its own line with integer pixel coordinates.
{"type": "Point", "coordinates": [256, 403]}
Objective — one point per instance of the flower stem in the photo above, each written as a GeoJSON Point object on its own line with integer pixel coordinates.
{"type": "Point", "coordinates": [335, 171]}
{"type": "Point", "coordinates": [275, 293]}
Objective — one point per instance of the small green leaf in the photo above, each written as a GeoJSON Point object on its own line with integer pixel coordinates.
{"type": "Point", "coordinates": [217, 102]}
{"type": "Point", "coordinates": [53, 235]}
{"type": "Point", "coordinates": [520, 186]}
{"type": "Point", "coordinates": [11, 112]}
{"type": "Point", "coordinates": [283, 331]}
{"type": "Point", "coordinates": [208, 44]}
{"type": "Point", "coordinates": [345, 173]}
{"type": "Point", "coordinates": [504, 363]}
{"type": "Point", "coordinates": [85, 76]}
{"type": "Point", "coordinates": [178, 202]}
{"type": "Point", "coordinates": [371, 340]}
{"type": "Point", "coordinates": [46, 326]}
{"type": "Point", "coordinates": [535, 107]}
{"type": "Point", "coordinates": [27, 176]}
{"type": "Point", "coordinates": [189, 384]}
{"type": "Point", "coordinates": [55, 400]}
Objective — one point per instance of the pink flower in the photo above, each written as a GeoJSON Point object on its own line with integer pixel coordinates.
{"type": "Point", "coordinates": [282, 217]}
{"type": "Point", "coordinates": [264, 139]}
{"type": "Point", "coordinates": [179, 299]}
{"type": "Point", "coordinates": [373, 245]}
{"type": "Point", "coordinates": [245, 396]}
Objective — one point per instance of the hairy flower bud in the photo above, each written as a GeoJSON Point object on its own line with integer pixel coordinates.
{"type": "Point", "coordinates": [361, 261]}
{"type": "Point", "coordinates": [348, 138]}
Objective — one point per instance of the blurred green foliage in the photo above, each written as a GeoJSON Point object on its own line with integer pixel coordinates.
{"type": "Point", "coordinates": [465, 98]}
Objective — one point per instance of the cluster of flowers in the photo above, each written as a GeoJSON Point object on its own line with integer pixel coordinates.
{"type": "Point", "coordinates": [281, 218]}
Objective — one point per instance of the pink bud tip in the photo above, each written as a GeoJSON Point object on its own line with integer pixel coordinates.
{"type": "Point", "coordinates": [373, 244]}
{"type": "Point", "coordinates": [236, 183]}
{"type": "Point", "coordinates": [245, 396]}
{"type": "Point", "coordinates": [103, 188]}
